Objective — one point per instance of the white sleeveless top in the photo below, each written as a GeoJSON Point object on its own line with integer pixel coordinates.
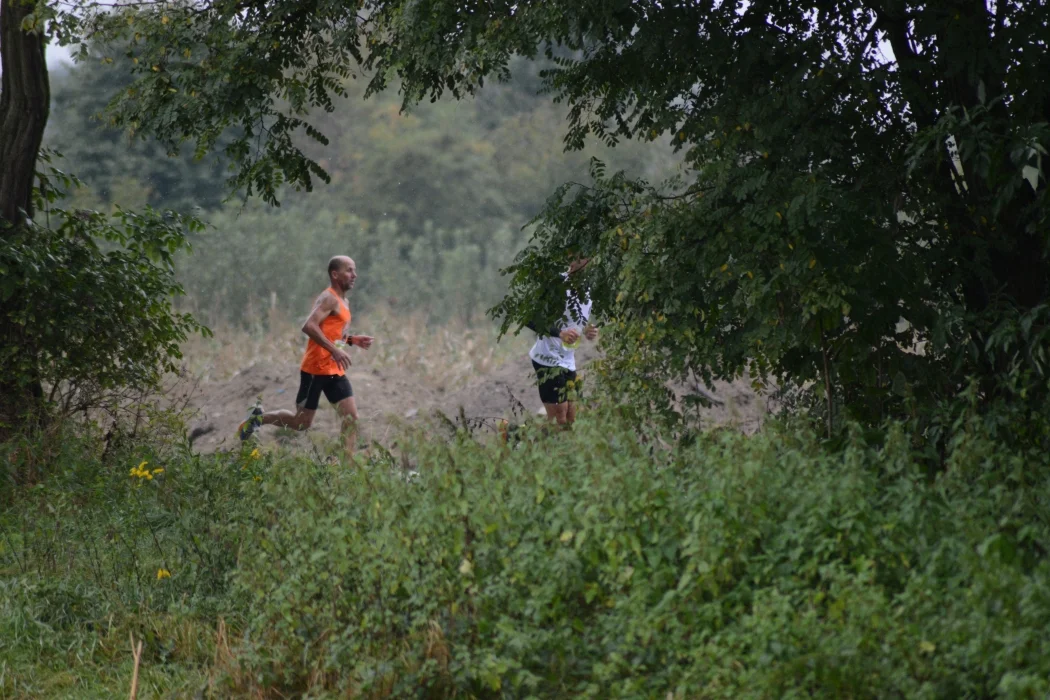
{"type": "Point", "coordinates": [549, 350]}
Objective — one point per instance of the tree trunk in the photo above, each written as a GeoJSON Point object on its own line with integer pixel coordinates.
{"type": "Point", "coordinates": [25, 97]}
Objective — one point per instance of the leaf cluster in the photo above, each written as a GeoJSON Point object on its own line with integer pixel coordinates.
{"type": "Point", "coordinates": [88, 299]}
{"type": "Point", "coordinates": [732, 567]}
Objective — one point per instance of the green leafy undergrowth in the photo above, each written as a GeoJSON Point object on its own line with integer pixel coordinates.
{"type": "Point", "coordinates": [588, 564]}
{"type": "Point", "coordinates": [596, 563]}
{"type": "Point", "coordinates": [138, 545]}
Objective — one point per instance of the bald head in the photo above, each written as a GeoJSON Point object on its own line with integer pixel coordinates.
{"type": "Point", "coordinates": [338, 263]}
{"type": "Point", "coordinates": [342, 271]}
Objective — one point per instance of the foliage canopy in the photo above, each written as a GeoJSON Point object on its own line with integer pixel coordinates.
{"type": "Point", "coordinates": [866, 207]}
{"type": "Point", "coordinates": [867, 176]}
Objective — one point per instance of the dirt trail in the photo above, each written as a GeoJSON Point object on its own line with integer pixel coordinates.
{"type": "Point", "coordinates": [387, 397]}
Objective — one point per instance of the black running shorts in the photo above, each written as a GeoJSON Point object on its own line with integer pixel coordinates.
{"type": "Point", "coordinates": [336, 387]}
{"type": "Point", "coordinates": [555, 383]}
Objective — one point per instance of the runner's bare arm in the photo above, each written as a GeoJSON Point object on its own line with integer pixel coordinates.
{"type": "Point", "coordinates": [362, 341]}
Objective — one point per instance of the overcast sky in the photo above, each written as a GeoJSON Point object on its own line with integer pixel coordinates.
{"type": "Point", "coordinates": [57, 55]}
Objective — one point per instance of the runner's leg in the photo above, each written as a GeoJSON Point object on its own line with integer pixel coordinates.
{"type": "Point", "coordinates": [302, 419]}
{"type": "Point", "coordinates": [557, 412]}
{"type": "Point", "coordinates": [347, 409]}
{"type": "Point", "coordinates": [572, 387]}
{"type": "Point", "coordinates": [310, 387]}
{"type": "Point", "coordinates": [551, 382]}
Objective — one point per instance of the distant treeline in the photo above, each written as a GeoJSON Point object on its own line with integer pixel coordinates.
{"type": "Point", "coordinates": [430, 203]}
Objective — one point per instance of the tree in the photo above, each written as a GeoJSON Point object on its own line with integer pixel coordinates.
{"type": "Point", "coordinates": [866, 210]}
{"type": "Point", "coordinates": [844, 208]}
{"type": "Point", "coordinates": [115, 169]}
{"type": "Point", "coordinates": [85, 300]}
{"type": "Point", "coordinates": [24, 101]}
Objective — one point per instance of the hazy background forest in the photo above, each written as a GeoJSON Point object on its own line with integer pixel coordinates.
{"type": "Point", "coordinates": [430, 203]}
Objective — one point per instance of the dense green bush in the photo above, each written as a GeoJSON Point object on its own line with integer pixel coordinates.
{"type": "Point", "coordinates": [86, 308]}
{"type": "Point", "coordinates": [584, 565]}
{"type": "Point", "coordinates": [594, 563]}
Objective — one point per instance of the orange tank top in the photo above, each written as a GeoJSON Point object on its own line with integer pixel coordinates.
{"type": "Point", "coordinates": [317, 360]}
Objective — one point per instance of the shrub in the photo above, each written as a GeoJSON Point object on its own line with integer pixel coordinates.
{"type": "Point", "coordinates": [581, 564]}
{"type": "Point", "coordinates": [598, 563]}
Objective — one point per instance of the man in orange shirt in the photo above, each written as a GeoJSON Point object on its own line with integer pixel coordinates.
{"type": "Point", "coordinates": [323, 369]}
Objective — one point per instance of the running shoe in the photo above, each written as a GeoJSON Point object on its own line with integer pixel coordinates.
{"type": "Point", "coordinates": [252, 423]}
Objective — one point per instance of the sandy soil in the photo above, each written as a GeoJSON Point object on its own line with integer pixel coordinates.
{"type": "Point", "coordinates": [388, 397]}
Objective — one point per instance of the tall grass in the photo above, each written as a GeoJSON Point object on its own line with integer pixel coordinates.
{"type": "Point", "coordinates": [582, 563]}
{"type": "Point", "coordinates": [446, 354]}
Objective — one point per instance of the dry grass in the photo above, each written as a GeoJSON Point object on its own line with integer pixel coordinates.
{"type": "Point", "coordinates": [228, 677]}
{"type": "Point", "coordinates": [447, 355]}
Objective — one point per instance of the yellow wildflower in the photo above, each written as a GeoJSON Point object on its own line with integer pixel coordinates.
{"type": "Point", "coordinates": [255, 453]}
{"type": "Point", "coordinates": [163, 574]}
{"type": "Point", "coordinates": [141, 472]}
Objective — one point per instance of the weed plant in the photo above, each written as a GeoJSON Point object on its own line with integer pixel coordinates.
{"type": "Point", "coordinates": [591, 563]}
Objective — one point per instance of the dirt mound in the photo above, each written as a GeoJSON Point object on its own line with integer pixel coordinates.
{"type": "Point", "coordinates": [221, 406]}
{"type": "Point", "coordinates": [387, 397]}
